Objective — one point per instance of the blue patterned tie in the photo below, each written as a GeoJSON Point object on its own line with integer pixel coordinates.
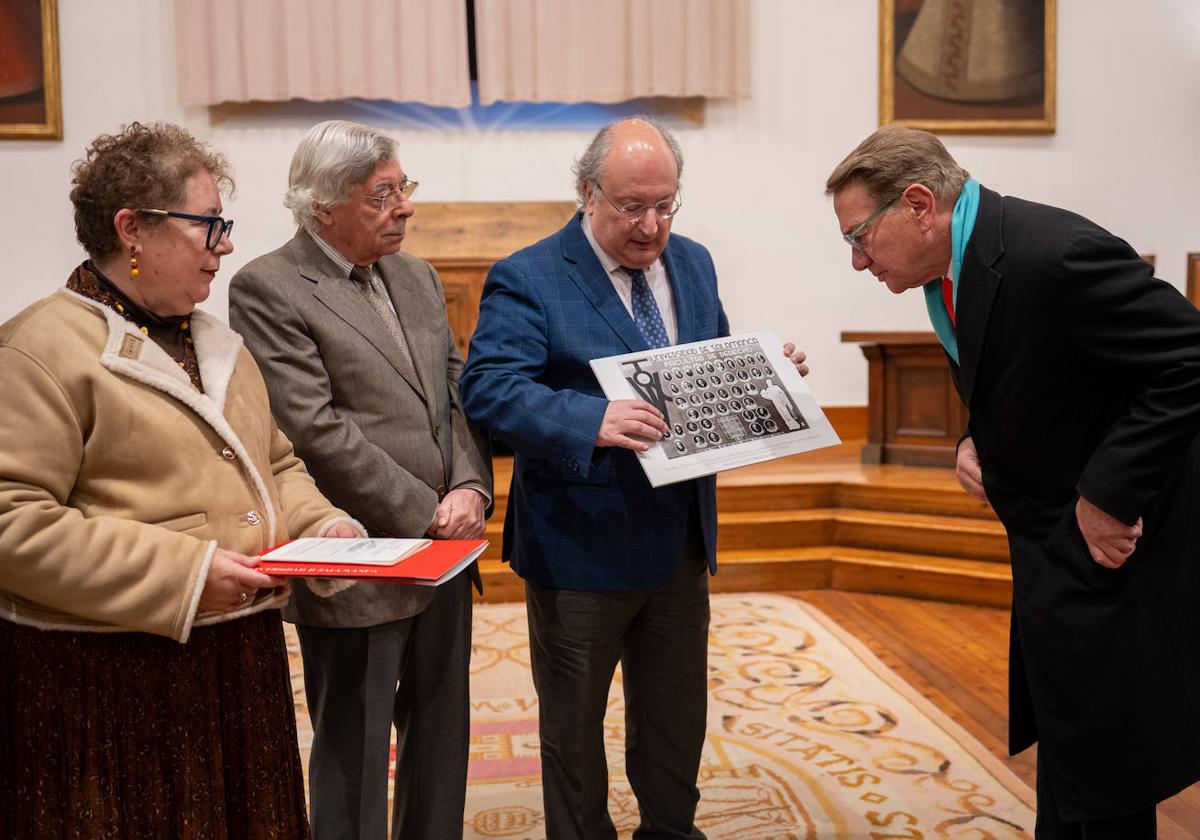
{"type": "Point", "coordinates": [645, 311]}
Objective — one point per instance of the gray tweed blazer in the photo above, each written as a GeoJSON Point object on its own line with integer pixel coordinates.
{"type": "Point", "coordinates": [384, 438]}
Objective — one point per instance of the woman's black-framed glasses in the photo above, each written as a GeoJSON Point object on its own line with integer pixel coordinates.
{"type": "Point", "coordinates": [217, 226]}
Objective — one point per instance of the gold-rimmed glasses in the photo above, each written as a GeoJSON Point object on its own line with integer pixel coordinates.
{"type": "Point", "coordinates": [633, 212]}
{"type": "Point", "coordinates": [391, 199]}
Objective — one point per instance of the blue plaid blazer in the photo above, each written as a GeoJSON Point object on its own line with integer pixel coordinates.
{"type": "Point", "coordinates": [581, 517]}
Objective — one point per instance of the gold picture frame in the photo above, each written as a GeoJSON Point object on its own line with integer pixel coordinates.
{"type": "Point", "coordinates": [30, 88]}
{"type": "Point", "coordinates": [1006, 87]}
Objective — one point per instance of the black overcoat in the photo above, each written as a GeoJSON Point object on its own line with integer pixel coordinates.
{"type": "Point", "coordinates": [1081, 374]}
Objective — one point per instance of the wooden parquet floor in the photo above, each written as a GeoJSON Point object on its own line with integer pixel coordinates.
{"type": "Point", "coordinates": [956, 655]}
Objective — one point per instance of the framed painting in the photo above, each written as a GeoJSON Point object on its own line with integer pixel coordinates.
{"type": "Point", "coordinates": [968, 66]}
{"type": "Point", "coordinates": [30, 98]}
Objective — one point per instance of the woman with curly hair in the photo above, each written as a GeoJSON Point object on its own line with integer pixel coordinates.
{"type": "Point", "coordinates": [145, 689]}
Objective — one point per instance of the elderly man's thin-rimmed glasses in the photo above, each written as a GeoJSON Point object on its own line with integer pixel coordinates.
{"type": "Point", "coordinates": [391, 199]}
{"type": "Point", "coordinates": [633, 213]}
{"type": "Point", "coordinates": [859, 229]}
{"type": "Point", "coordinates": [217, 227]}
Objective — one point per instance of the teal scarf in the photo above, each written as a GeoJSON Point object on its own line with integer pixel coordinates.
{"type": "Point", "coordinates": [961, 225]}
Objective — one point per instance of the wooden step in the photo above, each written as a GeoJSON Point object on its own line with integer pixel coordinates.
{"type": "Point", "coordinates": [772, 570]}
{"type": "Point", "coordinates": [966, 537]}
{"type": "Point", "coordinates": [819, 567]}
{"type": "Point", "coordinates": [500, 582]}
{"type": "Point", "coordinates": [908, 498]}
{"type": "Point", "coordinates": [974, 539]}
{"type": "Point", "coordinates": [948, 536]}
{"type": "Point", "coordinates": [787, 495]}
{"type": "Point", "coordinates": [954, 579]}
{"type": "Point", "coordinates": [494, 534]}
{"type": "Point", "coordinates": [795, 494]}
{"type": "Point", "coordinates": [746, 530]}
{"type": "Point", "coordinates": [738, 571]}
{"type": "Point", "coordinates": [759, 530]}
{"type": "Point", "coordinates": [865, 570]}
{"type": "Point", "coordinates": [778, 495]}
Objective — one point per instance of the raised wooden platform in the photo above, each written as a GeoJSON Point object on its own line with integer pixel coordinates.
{"type": "Point", "coordinates": [824, 520]}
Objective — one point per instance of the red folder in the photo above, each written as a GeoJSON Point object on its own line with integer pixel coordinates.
{"type": "Point", "coordinates": [431, 566]}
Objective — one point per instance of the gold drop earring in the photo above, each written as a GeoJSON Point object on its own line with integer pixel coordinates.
{"type": "Point", "coordinates": [134, 271]}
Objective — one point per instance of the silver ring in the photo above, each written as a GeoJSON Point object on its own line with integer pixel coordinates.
{"type": "Point", "coordinates": [243, 598]}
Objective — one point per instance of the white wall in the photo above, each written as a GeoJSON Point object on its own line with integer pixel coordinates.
{"type": "Point", "coordinates": [1127, 154]}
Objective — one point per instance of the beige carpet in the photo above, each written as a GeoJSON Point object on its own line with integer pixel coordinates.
{"type": "Point", "coordinates": [809, 736]}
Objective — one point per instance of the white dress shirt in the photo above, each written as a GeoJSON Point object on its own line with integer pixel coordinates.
{"type": "Point", "coordinates": [656, 279]}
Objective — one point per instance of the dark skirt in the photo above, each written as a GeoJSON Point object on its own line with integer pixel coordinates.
{"type": "Point", "coordinates": [131, 735]}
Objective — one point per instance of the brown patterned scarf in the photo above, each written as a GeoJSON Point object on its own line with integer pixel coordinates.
{"type": "Point", "coordinates": [173, 335]}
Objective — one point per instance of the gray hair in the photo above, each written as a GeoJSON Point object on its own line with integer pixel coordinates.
{"type": "Point", "coordinates": [333, 157]}
{"type": "Point", "coordinates": [590, 167]}
{"type": "Point", "coordinates": [896, 157]}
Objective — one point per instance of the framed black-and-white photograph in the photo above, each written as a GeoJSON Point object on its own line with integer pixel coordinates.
{"type": "Point", "coordinates": [727, 403]}
{"type": "Point", "coordinates": [968, 66]}
{"type": "Point", "coordinates": [30, 98]}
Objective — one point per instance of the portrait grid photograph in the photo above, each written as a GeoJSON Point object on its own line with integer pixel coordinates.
{"type": "Point", "coordinates": [727, 403]}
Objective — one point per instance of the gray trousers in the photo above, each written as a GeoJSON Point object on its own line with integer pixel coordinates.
{"type": "Point", "coordinates": [660, 638]}
{"type": "Point", "coordinates": [358, 682]}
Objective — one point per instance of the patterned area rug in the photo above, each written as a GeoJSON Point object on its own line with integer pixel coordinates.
{"type": "Point", "coordinates": [809, 736]}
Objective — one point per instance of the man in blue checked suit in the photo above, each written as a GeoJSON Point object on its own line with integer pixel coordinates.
{"type": "Point", "coordinates": [614, 569]}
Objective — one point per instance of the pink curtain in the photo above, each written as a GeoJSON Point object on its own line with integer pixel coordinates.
{"type": "Point", "coordinates": [611, 50]}
{"type": "Point", "coordinates": [274, 50]}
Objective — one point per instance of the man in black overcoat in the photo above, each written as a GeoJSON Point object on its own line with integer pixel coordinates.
{"type": "Point", "coordinates": [1081, 375]}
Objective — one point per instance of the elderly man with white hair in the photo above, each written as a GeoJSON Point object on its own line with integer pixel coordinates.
{"type": "Point", "coordinates": [362, 372]}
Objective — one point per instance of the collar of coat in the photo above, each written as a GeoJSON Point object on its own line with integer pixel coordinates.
{"type": "Point", "coordinates": [335, 290]}
{"type": "Point", "coordinates": [978, 286]}
{"type": "Point", "coordinates": [128, 352]}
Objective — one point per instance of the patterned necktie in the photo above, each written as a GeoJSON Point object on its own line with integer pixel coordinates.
{"type": "Point", "coordinates": [645, 311]}
{"type": "Point", "coordinates": [376, 296]}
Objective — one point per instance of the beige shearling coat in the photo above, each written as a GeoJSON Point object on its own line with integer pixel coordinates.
{"type": "Point", "coordinates": [118, 480]}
